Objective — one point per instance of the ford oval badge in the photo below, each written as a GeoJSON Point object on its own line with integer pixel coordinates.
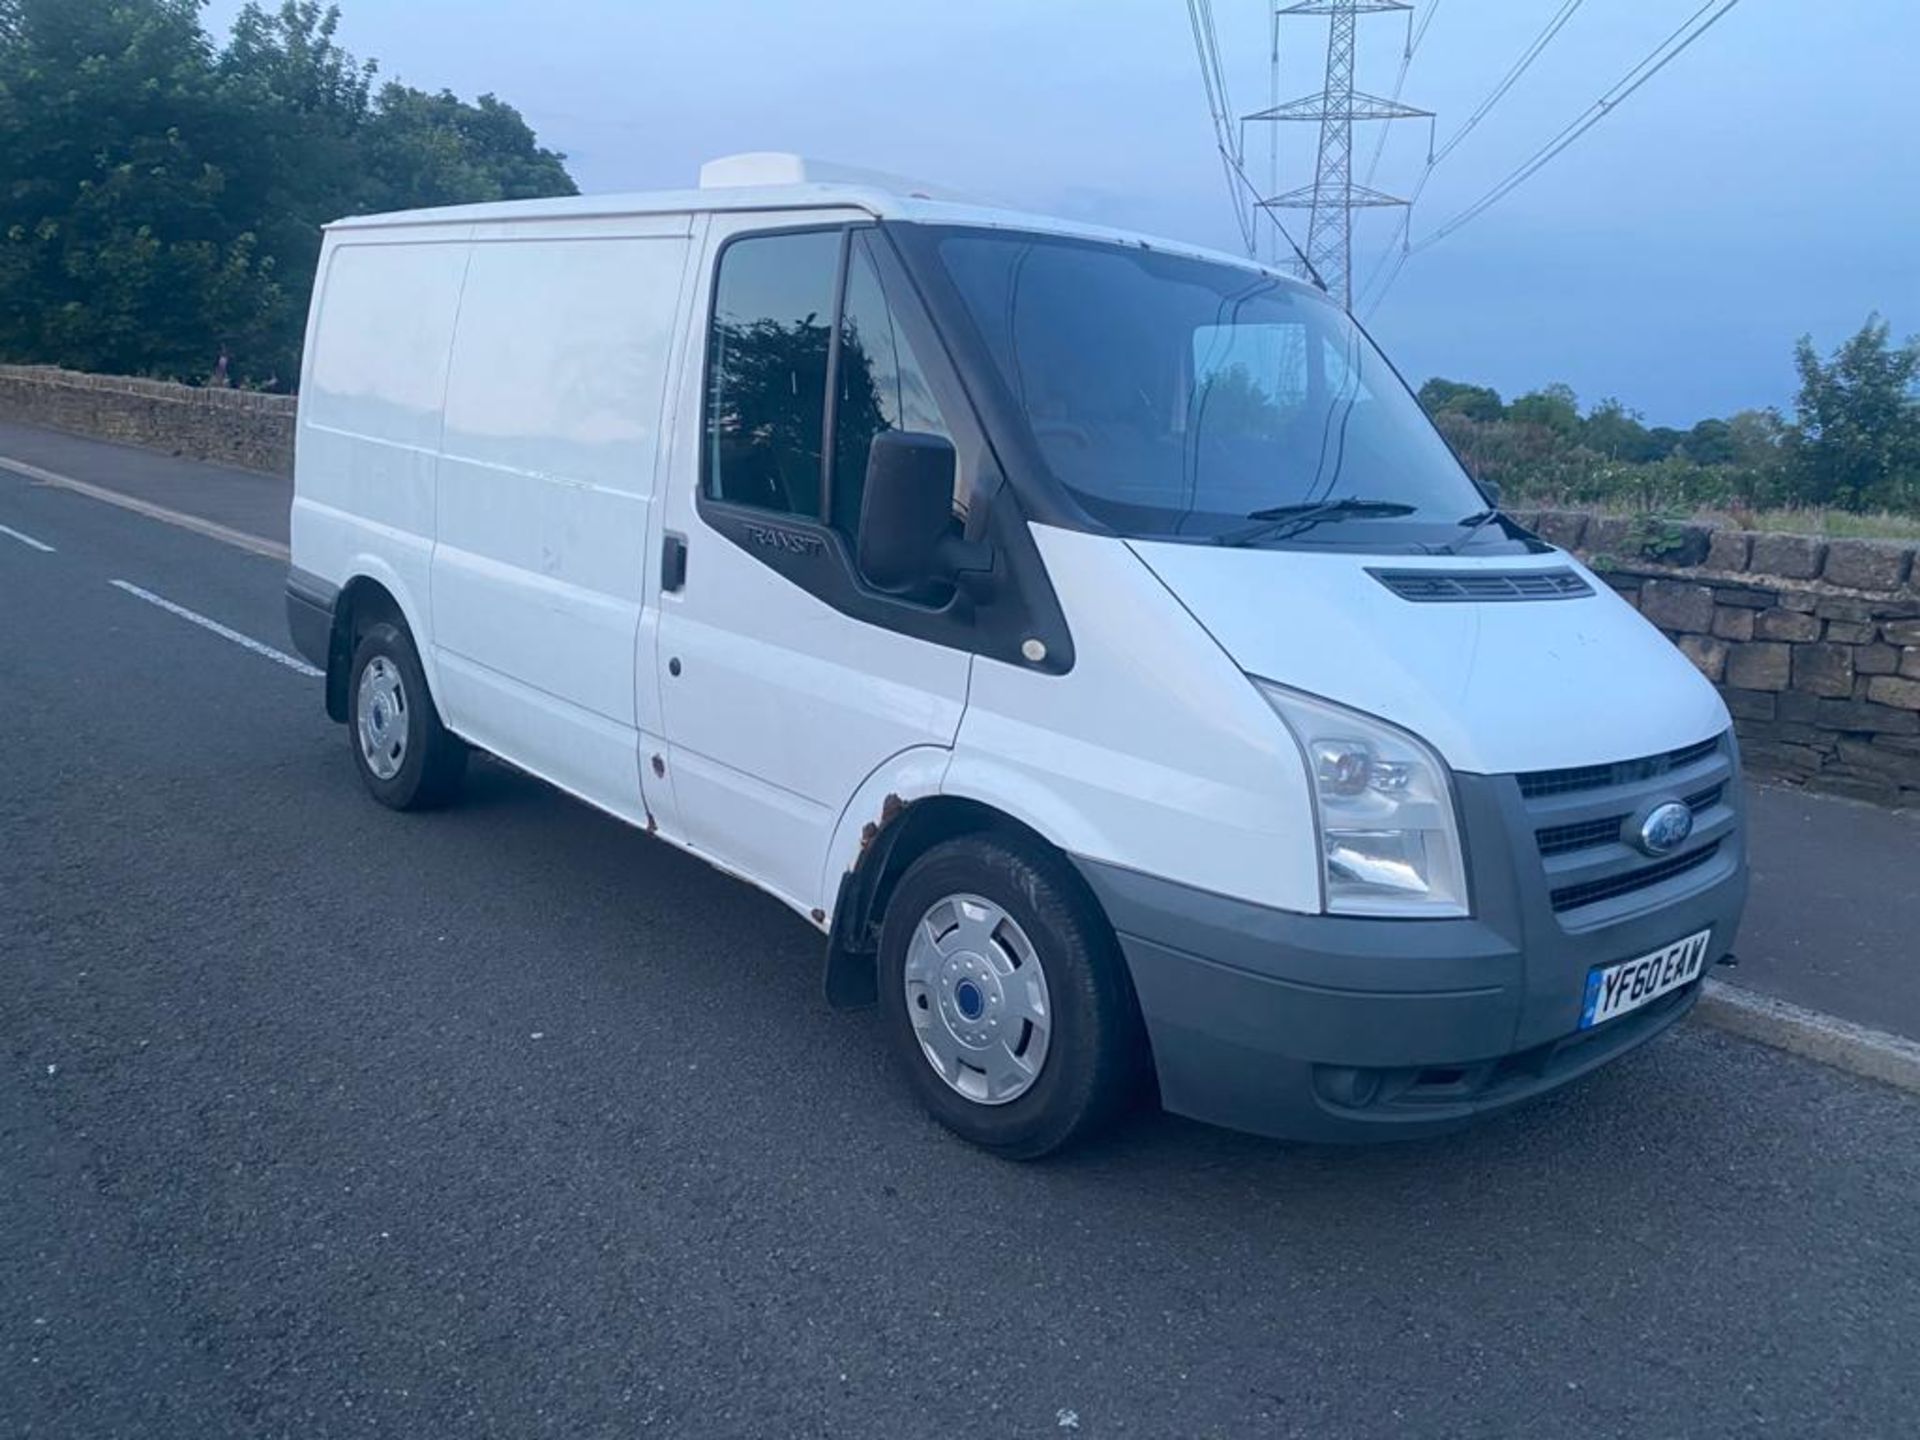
{"type": "Point", "coordinates": [1665, 828]}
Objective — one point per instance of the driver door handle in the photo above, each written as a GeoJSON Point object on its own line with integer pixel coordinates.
{"type": "Point", "coordinates": [673, 562]}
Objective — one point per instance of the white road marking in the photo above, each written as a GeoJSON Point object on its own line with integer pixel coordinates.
{"type": "Point", "coordinates": [40, 545]}
{"type": "Point", "coordinates": [213, 530]}
{"type": "Point", "coordinates": [245, 642]}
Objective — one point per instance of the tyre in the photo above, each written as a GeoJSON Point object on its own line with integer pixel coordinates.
{"type": "Point", "coordinates": [1006, 1000]}
{"type": "Point", "coordinates": [405, 755]}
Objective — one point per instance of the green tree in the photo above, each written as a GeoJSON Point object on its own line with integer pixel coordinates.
{"type": "Point", "coordinates": [1758, 442]}
{"type": "Point", "coordinates": [1709, 443]}
{"type": "Point", "coordinates": [1855, 440]}
{"type": "Point", "coordinates": [1757, 437]}
{"type": "Point", "coordinates": [1664, 440]}
{"type": "Point", "coordinates": [1555, 408]}
{"type": "Point", "coordinates": [1479, 403]}
{"type": "Point", "coordinates": [1617, 433]}
{"type": "Point", "coordinates": [119, 249]}
{"type": "Point", "coordinates": [422, 149]}
{"type": "Point", "coordinates": [163, 198]}
{"type": "Point", "coordinates": [295, 106]}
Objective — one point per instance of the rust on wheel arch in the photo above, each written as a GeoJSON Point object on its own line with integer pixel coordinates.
{"type": "Point", "coordinates": [890, 809]}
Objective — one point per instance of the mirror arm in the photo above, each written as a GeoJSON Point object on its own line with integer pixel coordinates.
{"type": "Point", "coordinates": [987, 487]}
{"type": "Point", "coordinates": [969, 564]}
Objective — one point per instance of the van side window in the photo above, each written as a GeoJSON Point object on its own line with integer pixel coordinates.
{"type": "Point", "coordinates": [767, 376]}
{"type": "Point", "coordinates": [881, 386]}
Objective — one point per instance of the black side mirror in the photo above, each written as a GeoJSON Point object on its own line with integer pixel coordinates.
{"type": "Point", "coordinates": [906, 511]}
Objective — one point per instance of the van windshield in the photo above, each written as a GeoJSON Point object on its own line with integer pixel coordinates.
{"type": "Point", "coordinates": [1186, 399]}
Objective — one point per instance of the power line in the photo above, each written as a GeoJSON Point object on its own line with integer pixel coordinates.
{"type": "Point", "coordinates": [1213, 48]}
{"type": "Point", "coordinates": [1414, 36]}
{"type": "Point", "coordinates": [1238, 175]}
{"type": "Point", "coordinates": [1425, 20]}
{"type": "Point", "coordinates": [1507, 81]}
{"type": "Point", "coordinates": [1206, 43]}
{"type": "Point", "coordinates": [1243, 193]}
{"type": "Point", "coordinates": [1532, 52]}
{"type": "Point", "coordinates": [1395, 262]}
{"type": "Point", "coordinates": [1651, 66]}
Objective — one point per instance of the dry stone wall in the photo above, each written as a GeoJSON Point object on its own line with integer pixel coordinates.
{"type": "Point", "coordinates": [1814, 644]}
{"type": "Point", "coordinates": [228, 427]}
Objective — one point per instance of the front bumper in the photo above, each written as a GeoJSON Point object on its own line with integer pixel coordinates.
{"type": "Point", "coordinates": [1318, 1027]}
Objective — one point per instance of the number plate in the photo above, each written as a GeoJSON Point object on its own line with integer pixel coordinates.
{"type": "Point", "coordinates": [1613, 990]}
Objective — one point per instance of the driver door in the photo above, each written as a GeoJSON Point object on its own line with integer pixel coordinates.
{"type": "Point", "coordinates": [777, 702]}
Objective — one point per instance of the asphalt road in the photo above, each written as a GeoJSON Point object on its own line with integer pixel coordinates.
{"type": "Point", "coordinates": [319, 1120]}
{"type": "Point", "coordinates": [1833, 922]}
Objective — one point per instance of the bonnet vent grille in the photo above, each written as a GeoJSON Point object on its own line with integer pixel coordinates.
{"type": "Point", "coordinates": [1438, 587]}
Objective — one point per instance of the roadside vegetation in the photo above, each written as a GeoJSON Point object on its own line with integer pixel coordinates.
{"type": "Point", "coordinates": [163, 195]}
{"type": "Point", "coordinates": [1846, 463]}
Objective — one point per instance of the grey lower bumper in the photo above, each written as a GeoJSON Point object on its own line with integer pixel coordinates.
{"type": "Point", "coordinates": [1327, 1028]}
{"type": "Point", "coordinates": [310, 602]}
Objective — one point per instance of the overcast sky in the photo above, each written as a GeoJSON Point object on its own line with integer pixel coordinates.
{"type": "Point", "coordinates": [1764, 185]}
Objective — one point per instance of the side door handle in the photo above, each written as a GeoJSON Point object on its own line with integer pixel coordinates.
{"type": "Point", "coordinates": [673, 562]}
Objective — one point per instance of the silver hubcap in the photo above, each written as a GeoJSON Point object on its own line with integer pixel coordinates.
{"type": "Point", "coordinates": [978, 999]}
{"type": "Point", "coordinates": [382, 717]}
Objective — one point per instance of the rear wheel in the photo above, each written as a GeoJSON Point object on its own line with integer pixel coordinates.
{"type": "Point", "coordinates": [1007, 1003]}
{"type": "Point", "coordinates": [405, 755]}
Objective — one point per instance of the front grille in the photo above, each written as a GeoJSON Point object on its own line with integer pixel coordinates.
{"type": "Point", "coordinates": [1460, 586]}
{"type": "Point", "coordinates": [1585, 834]}
{"type": "Point", "coordinates": [1564, 839]}
{"type": "Point", "coordinates": [1579, 817]}
{"type": "Point", "coordinates": [1592, 892]}
{"type": "Point", "coordinates": [1539, 783]}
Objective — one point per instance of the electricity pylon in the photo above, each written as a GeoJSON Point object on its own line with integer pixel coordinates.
{"type": "Point", "coordinates": [1333, 196]}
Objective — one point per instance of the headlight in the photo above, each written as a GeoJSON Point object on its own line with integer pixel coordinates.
{"type": "Point", "coordinates": [1389, 843]}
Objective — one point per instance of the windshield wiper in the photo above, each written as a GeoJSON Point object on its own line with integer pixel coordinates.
{"type": "Point", "coordinates": [1475, 524]}
{"type": "Point", "coordinates": [1292, 519]}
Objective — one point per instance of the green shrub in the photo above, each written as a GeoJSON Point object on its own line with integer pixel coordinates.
{"type": "Point", "coordinates": [1853, 445]}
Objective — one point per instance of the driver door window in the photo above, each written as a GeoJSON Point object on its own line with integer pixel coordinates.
{"type": "Point", "coordinates": [773, 348]}
{"type": "Point", "coordinates": [766, 402]}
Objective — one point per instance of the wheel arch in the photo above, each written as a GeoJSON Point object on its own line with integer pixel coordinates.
{"type": "Point", "coordinates": [364, 600]}
{"type": "Point", "coordinates": [902, 830]}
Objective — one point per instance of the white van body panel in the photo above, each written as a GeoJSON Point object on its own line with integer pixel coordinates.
{"type": "Point", "coordinates": [782, 706]}
{"type": "Point", "coordinates": [1493, 687]}
{"type": "Point", "coordinates": [554, 413]}
{"type": "Point", "coordinates": [1154, 752]}
{"type": "Point", "coordinates": [369, 424]}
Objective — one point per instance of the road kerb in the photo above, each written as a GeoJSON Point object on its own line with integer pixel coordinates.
{"type": "Point", "coordinates": [1890, 1059]}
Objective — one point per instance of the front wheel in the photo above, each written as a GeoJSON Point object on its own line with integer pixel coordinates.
{"type": "Point", "coordinates": [407, 758]}
{"type": "Point", "coordinates": [1007, 1002]}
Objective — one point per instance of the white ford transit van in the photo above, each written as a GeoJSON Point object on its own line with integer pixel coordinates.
{"type": "Point", "coordinates": [1088, 634]}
